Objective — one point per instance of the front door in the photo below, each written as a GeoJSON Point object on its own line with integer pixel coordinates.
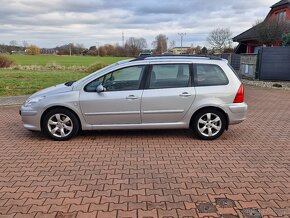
{"type": "Point", "coordinates": [168, 95]}
{"type": "Point", "coordinates": [121, 101]}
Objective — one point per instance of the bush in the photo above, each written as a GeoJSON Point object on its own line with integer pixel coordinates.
{"type": "Point", "coordinates": [33, 50]}
{"type": "Point", "coordinates": [94, 67]}
{"type": "Point", "coordinates": [5, 62]}
{"type": "Point", "coordinates": [286, 39]}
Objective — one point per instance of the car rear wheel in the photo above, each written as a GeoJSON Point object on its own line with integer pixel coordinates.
{"type": "Point", "coordinates": [60, 124]}
{"type": "Point", "coordinates": [209, 124]}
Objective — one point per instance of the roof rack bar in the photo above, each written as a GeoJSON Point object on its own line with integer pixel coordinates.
{"type": "Point", "coordinates": [169, 56]}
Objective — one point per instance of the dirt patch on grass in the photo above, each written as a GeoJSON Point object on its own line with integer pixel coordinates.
{"type": "Point", "coordinates": [16, 77]}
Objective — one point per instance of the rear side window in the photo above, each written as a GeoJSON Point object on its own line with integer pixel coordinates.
{"type": "Point", "coordinates": [210, 75]}
{"type": "Point", "coordinates": [169, 76]}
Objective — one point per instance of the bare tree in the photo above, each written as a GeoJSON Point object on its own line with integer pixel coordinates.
{"type": "Point", "coordinates": [25, 44]}
{"type": "Point", "coordinates": [102, 51]}
{"type": "Point", "coordinates": [110, 49]}
{"type": "Point", "coordinates": [219, 39]}
{"type": "Point", "coordinates": [106, 50]}
{"type": "Point", "coordinates": [70, 49]}
{"type": "Point", "coordinates": [135, 45]}
{"type": "Point", "coordinates": [13, 43]}
{"type": "Point", "coordinates": [160, 44]}
{"type": "Point", "coordinates": [271, 31]}
{"type": "Point", "coordinates": [172, 44]}
{"type": "Point", "coordinates": [120, 51]}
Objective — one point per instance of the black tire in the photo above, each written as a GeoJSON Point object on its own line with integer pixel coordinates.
{"type": "Point", "coordinates": [70, 128]}
{"type": "Point", "coordinates": [197, 126]}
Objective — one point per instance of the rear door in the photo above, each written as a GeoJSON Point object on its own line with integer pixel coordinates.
{"type": "Point", "coordinates": [168, 94]}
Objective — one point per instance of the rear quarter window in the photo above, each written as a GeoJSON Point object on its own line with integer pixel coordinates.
{"type": "Point", "coordinates": [210, 75]}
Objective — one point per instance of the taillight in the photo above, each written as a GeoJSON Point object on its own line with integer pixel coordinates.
{"type": "Point", "coordinates": [240, 97]}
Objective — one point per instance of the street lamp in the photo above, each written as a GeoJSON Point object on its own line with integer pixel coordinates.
{"type": "Point", "coordinates": [181, 38]}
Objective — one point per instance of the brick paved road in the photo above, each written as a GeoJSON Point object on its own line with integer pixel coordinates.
{"type": "Point", "coordinates": [151, 173]}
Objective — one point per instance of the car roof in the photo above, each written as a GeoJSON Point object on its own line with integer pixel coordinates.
{"type": "Point", "coordinates": [174, 57]}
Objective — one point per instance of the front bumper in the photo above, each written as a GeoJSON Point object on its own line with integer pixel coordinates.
{"type": "Point", "coordinates": [30, 118]}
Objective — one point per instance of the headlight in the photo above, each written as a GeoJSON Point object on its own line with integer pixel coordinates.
{"type": "Point", "coordinates": [32, 101]}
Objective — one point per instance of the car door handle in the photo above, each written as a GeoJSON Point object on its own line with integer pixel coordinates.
{"type": "Point", "coordinates": [185, 94]}
{"type": "Point", "coordinates": [131, 97]}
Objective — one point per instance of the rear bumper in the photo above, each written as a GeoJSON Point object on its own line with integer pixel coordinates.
{"type": "Point", "coordinates": [237, 112]}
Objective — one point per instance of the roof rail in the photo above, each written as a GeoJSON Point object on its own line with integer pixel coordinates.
{"type": "Point", "coordinates": [153, 57]}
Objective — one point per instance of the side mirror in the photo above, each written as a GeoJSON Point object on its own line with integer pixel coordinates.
{"type": "Point", "coordinates": [100, 88]}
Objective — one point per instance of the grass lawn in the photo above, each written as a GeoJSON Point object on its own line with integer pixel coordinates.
{"type": "Point", "coordinates": [24, 82]}
{"type": "Point", "coordinates": [62, 60]}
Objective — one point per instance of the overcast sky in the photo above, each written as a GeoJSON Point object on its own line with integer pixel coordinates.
{"type": "Point", "coordinates": [49, 23]}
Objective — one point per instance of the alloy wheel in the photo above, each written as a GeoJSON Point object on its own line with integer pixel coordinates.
{"type": "Point", "coordinates": [60, 125]}
{"type": "Point", "coordinates": [209, 124]}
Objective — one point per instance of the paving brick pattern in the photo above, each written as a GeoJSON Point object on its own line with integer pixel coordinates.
{"type": "Point", "coordinates": [246, 173]}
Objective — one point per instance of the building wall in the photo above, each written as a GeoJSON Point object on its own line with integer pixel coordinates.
{"type": "Point", "coordinates": [179, 50]}
{"type": "Point", "coordinates": [251, 45]}
{"type": "Point", "coordinates": [274, 12]}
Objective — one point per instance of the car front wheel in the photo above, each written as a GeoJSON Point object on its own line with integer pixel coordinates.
{"type": "Point", "coordinates": [60, 124]}
{"type": "Point", "coordinates": [209, 124]}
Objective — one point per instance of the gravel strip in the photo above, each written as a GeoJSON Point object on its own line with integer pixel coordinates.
{"type": "Point", "coordinates": [13, 100]}
{"type": "Point", "coordinates": [268, 84]}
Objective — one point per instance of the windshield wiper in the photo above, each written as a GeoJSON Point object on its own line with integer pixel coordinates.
{"type": "Point", "coordinates": [70, 83]}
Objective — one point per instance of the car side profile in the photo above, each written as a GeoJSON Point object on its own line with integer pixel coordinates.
{"type": "Point", "coordinates": [153, 92]}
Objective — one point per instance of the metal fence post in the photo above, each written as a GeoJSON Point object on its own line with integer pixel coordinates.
{"type": "Point", "coordinates": [259, 64]}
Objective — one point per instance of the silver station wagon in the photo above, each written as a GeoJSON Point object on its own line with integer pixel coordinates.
{"type": "Point", "coordinates": [155, 92]}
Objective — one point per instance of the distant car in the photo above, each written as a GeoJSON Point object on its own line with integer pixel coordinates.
{"type": "Point", "coordinates": [162, 92]}
{"type": "Point", "coordinates": [145, 54]}
{"type": "Point", "coordinates": [167, 53]}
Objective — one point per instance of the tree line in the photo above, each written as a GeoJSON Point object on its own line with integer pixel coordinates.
{"type": "Point", "coordinates": [132, 48]}
{"type": "Point", "coordinates": [219, 40]}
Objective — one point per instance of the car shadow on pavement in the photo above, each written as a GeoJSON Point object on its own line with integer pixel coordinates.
{"type": "Point", "coordinates": [175, 134]}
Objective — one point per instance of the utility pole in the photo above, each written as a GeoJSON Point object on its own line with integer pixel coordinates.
{"type": "Point", "coordinates": [181, 38]}
{"type": "Point", "coordinates": [123, 39]}
{"type": "Point", "coordinates": [98, 45]}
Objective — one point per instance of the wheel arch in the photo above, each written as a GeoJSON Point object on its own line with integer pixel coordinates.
{"type": "Point", "coordinates": [59, 107]}
{"type": "Point", "coordinates": [210, 107]}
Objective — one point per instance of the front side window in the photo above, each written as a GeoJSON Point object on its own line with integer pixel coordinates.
{"type": "Point", "coordinates": [210, 75]}
{"type": "Point", "coordinates": [169, 76]}
{"type": "Point", "coordinates": [128, 78]}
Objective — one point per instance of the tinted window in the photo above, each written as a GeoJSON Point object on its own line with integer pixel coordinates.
{"type": "Point", "coordinates": [169, 76]}
{"type": "Point", "coordinates": [210, 75]}
{"type": "Point", "coordinates": [124, 79]}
